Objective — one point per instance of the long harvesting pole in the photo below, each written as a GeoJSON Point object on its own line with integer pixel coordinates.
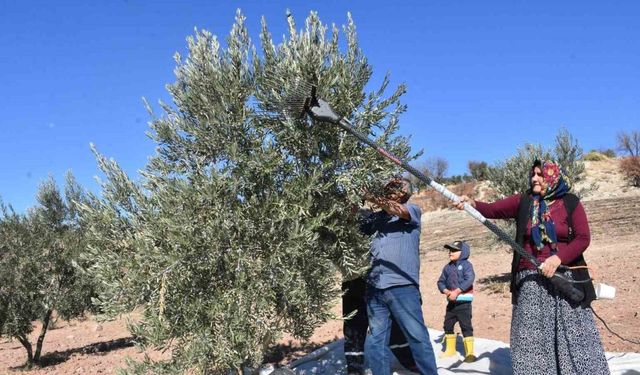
{"type": "Point", "coordinates": [320, 110]}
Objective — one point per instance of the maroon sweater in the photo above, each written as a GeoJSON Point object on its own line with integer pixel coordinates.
{"type": "Point", "coordinates": [507, 208]}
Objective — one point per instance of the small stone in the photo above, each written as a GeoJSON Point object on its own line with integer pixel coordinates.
{"type": "Point", "coordinates": [97, 328]}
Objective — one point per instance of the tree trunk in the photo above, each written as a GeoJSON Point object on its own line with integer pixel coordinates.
{"type": "Point", "coordinates": [45, 325]}
{"type": "Point", "coordinates": [27, 345]}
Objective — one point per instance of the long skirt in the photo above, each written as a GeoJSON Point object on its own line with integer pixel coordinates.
{"type": "Point", "coordinates": [551, 336]}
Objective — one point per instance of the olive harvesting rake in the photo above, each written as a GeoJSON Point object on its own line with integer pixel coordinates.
{"type": "Point", "coordinates": [301, 100]}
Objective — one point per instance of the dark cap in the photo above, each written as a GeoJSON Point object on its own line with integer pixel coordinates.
{"type": "Point", "coordinates": [457, 246]}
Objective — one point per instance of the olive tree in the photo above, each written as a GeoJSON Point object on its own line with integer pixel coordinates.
{"type": "Point", "coordinates": [511, 175]}
{"type": "Point", "coordinates": [41, 266]}
{"type": "Point", "coordinates": [237, 228]}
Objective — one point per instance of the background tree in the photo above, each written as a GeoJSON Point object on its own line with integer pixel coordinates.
{"type": "Point", "coordinates": [456, 179]}
{"type": "Point", "coordinates": [568, 152]}
{"type": "Point", "coordinates": [479, 170]}
{"type": "Point", "coordinates": [40, 265]}
{"type": "Point", "coordinates": [416, 183]}
{"type": "Point", "coordinates": [241, 220]}
{"type": "Point", "coordinates": [438, 167]}
{"type": "Point", "coordinates": [511, 175]}
{"type": "Point", "coordinates": [629, 143]}
{"type": "Point", "coordinates": [434, 167]}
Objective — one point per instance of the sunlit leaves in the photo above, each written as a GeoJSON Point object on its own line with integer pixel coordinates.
{"type": "Point", "coordinates": [241, 223]}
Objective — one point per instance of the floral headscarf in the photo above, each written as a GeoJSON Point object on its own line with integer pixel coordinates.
{"type": "Point", "coordinates": [543, 228]}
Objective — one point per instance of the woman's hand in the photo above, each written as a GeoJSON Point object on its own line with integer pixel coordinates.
{"type": "Point", "coordinates": [464, 199]}
{"type": "Point", "coordinates": [550, 265]}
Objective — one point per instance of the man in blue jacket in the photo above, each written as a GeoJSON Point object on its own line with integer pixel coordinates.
{"type": "Point", "coordinates": [393, 279]}
{"type": "Point", "coordinates": [456, 282]}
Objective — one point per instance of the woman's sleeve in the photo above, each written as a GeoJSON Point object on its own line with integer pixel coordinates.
{"type": "Point", "coordinates": [506, 208]}
{"type": "Point", "coordinates": [581, 237]}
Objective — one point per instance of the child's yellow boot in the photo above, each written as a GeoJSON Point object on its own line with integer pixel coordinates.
{"type": "Point", "coordinates": [468, 349]}
{"type": "Point", "coordinates": [449, 345]}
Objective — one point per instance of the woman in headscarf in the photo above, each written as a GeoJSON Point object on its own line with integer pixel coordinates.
{"type": "Point", "coordinates": [549, 333]}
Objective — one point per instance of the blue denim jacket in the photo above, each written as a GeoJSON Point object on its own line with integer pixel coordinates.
{"type": "Point", "coordinates": [395, 248]}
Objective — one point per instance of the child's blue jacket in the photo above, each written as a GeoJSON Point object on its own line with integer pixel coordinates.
{"type": "Point", "coordinates": [458, 274]}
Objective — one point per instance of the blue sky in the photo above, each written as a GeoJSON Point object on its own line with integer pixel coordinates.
{"type": "Point", "coordinates": [483, 77]}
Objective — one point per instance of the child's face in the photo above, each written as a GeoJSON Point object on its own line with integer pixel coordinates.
{"type": "Point", "coordinates": [454, 255]}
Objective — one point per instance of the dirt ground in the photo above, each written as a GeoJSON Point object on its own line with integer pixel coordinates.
{"type": "Point", "coordinates": [77, 347]}
{"type": "Point", "coordinates": [492, 301]}
{"type": "Point", "coordinates": [88, 347]}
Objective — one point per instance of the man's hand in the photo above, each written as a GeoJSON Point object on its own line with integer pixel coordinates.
{"type": "Point", "coordinates": [367, 196]}
{"type": "Point", "coordinates": [354, 209]}
{"type": "Point", "coordinates": [390, 206]}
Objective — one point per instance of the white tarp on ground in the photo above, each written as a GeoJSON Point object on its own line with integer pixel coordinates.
{"type": "Point", "coordinates": [493, 358]}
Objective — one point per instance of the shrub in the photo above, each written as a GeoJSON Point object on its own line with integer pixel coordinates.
{"type": "Point", "coordinates": [609, 152]}
{"type": "Point", "coordinates": [595, 156]}
{"type": "Point", "coordinates": [630, 167]}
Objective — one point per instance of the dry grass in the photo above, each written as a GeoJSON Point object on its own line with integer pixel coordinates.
{"type": "Point", "coordinates": [495, 284]}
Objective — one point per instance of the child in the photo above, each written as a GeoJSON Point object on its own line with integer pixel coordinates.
{"type": "Point", "coordinates": [456, 282]}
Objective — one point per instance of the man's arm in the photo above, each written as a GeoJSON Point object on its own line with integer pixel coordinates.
{"type": "Point", "coordinates": [391, 207]}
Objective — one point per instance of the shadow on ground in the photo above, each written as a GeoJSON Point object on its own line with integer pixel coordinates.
{"type": "Point", "coordinates": [54, 358]}
{"type": "Point", "coordinates": [285, 353]}
{"type": "Point", "coordinates": [498, 278]}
